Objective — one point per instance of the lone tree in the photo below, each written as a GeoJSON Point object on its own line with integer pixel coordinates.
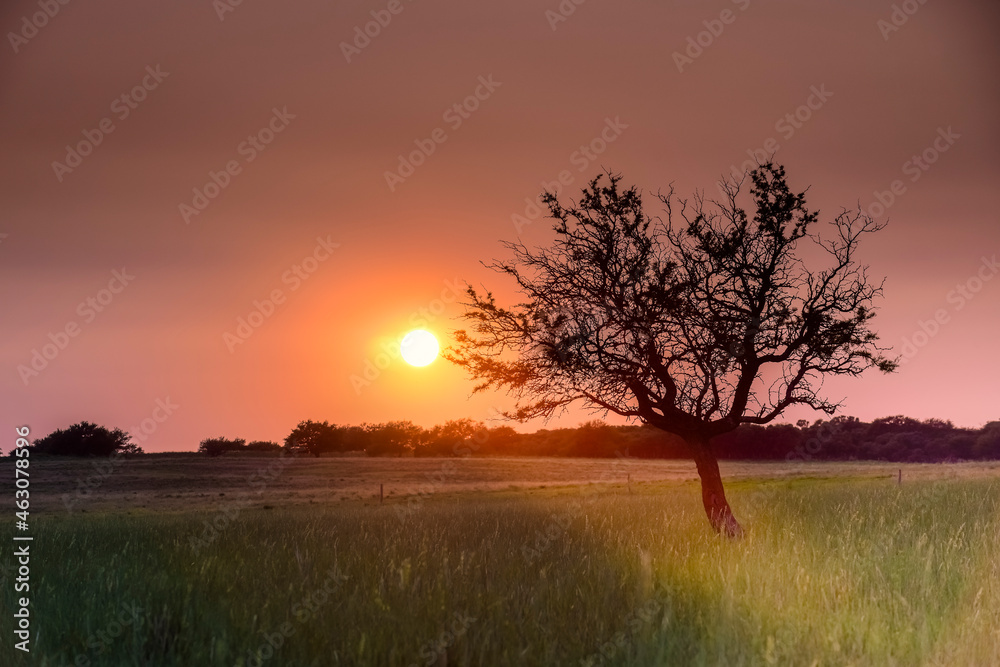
{"type": "Point", "coordinates": [695, 323]}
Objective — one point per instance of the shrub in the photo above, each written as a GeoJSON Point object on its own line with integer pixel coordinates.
{"type": "Point", "coordinates": [262, 446]}
{"type": "Point", "coordinates": [219, 446]}
{"type": "Point", "coordinates": [86, 439]}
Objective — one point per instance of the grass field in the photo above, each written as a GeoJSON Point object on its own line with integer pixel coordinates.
{"type": "Point", "coordinates": [508, 562]}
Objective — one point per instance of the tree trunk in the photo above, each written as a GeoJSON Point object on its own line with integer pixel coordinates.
{"type": "Point", "coordinates": [713, 495]}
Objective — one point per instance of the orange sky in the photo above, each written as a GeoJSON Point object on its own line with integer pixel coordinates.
{"type": "Point", "coordinates": [197, 87]}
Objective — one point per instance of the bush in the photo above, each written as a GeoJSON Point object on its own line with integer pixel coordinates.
{"type": "Point", "coordinates": [262, 446]}
{"type": "Point", "coordinates": [219, 446]}
{"type": "Point", "coordinates": [86, 439]}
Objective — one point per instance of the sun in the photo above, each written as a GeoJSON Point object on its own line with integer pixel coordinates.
{"type": "Point", "coordinates": [419, 347]}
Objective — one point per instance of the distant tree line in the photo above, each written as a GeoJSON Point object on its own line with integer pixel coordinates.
{"type": "Point", "coordinates": [842, 438]}
{"type": "Point", "coordinates": [897, 438]}
{"type": "Point", "coordinates": [219, 446]}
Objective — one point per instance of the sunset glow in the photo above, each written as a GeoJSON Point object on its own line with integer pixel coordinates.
{"type": "Point", "coordinates": [419, 347]}
{"type": "Point", "coordinates": [478, 334]}
{"type": "Point", "coordinates": [283, 240]}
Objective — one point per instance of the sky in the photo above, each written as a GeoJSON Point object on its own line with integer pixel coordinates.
{"type": "Point", "coordinates": [216, 217]}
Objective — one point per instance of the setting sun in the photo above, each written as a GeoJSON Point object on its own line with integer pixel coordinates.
{"type": "Point", "coordinates": [419, 347]}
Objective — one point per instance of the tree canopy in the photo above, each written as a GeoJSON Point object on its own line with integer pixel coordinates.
{"type": "Point", "coordinates": [86, 439]}
{"type": "Point", "coordinates": [697, 322]}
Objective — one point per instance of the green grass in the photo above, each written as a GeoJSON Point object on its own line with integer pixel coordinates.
{"type": "Point", "coordinates": [842, 572]}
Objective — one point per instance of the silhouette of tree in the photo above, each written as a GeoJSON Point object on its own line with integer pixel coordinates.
{"type": "Point", "coordinates": [356, 438]}
{"type": "Point", "coordinates": [987, 444]}
{"type": "Point", "coordinates": [394, 438]}
{"type": "Point", "coordinates": [86, 439]}
{"type": "Point", "coordinates": [262, 446]}
{"type": "Point", "coordinates": [450, 438]}
{"type": "Point", "coordinates": [219, 446]}
{"type": "Point", "coordinates": [695, 323]}
{"type": "Point", "coordinates": [314, 438]}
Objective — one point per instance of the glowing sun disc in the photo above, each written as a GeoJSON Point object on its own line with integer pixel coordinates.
{"type": "Point", "coordinates": [419, 347]}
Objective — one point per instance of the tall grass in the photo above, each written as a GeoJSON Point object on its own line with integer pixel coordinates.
{"type": "Point", "coordinates": [831, 573]}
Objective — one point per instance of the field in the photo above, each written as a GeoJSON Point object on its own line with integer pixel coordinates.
{"type": "Point", "coordinates": [178, 560]}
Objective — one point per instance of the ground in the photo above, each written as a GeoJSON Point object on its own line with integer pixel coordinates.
{"type": "Point", "coordinates": [184, 560]}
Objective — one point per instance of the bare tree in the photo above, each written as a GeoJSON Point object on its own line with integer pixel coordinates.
{"type": "Point", "coordinates": [695, 323]}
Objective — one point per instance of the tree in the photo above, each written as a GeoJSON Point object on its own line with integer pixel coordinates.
{"type": "Point", "coordinates": [451, 438]}
{"type": "Point", "coordinates": [394, 438]}
{"type": "Point", "coordinates": [987, 445]}
{"type": "Point", "coordinates": [86, 439]}
{"type": "Point", "coordinates": [502, 440]}
{"type": "Point", "coordinates": [262, 446]}
{"type": "Point", "coordinates": [695, 323]}
{"type": "Point", "coordinates": [219, 446]}
{"type": "Point", "coordinates": [356, 438]}
{"type": "Point", "coordinates": [596, 439]}
{"type": "Point", "coordinates": [314, 438]}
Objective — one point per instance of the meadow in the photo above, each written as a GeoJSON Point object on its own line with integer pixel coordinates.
{"type": "Point", "coordinates": [510, 562]}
